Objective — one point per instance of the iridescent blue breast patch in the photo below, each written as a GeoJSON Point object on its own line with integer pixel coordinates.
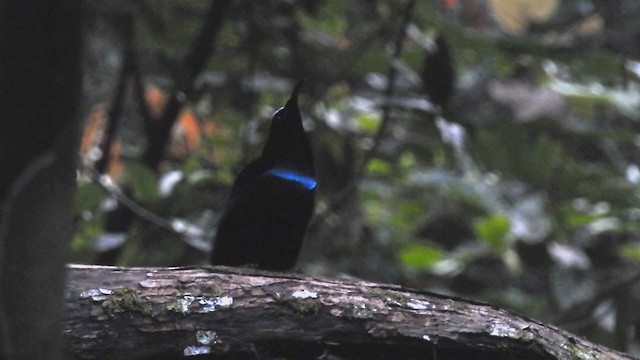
{"type": "Point", "coordinates": [306, 182]}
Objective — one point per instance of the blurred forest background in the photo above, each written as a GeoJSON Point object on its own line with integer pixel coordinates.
{"type": "Point", "coordinates": [479, 148]}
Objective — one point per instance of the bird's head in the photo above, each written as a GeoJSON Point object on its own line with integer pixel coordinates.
{"type": "Point", "coordinates": [288, 115]}
{"type": "Point", "coordinates": [287, 145]}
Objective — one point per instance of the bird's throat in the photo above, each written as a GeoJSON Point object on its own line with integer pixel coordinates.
{"type": "Point", "coordinates": [305, 181]}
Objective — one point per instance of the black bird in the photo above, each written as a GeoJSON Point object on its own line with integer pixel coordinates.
{"type": "Point", "coordinates": [438, 75]}
{"type": "Point", "coordinates": [271, 200]}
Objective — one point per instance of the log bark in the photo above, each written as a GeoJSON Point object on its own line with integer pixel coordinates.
{"type": "Point", "coordinates": [138, 313]}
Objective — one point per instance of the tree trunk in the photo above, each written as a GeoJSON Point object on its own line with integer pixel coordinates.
{"type": "Point", "coordinates": [134, 313]}
{"type": "Point", "coordinates": [40, 79]}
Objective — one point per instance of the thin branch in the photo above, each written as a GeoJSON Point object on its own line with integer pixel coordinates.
{"type": "Point", "coordinates": [254, 40]}
{"type": "Point", "coordinates": [127, 202]}
{"type": "Point", "coordinates": [115, 111]}
{"type": "Point", "coordinates": [340, 199]}
{"type": "Point", "coordinates": [392, 74]}
{"type": "Point", "coordinates": [186, 234]}
{"type": "Point", "coordinates": [130, 76]}
{"type": "Point", "coordinates": [139, 95]}
{"type": "Point", "coordinates": [197, 57]}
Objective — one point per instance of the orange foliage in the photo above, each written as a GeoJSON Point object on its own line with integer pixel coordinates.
{"type": "Point", "coordinates": [92, 137]}
{"type": "Point", "coordinates": [156, 100]}
{"type": "Point", "coordinates": [186, 134]}
{"type": "Point", "coordinates": [185, 137]}
{"type": "Point", "coordinates": [93, 130]}
{"type": "Point", "coordinates": [115, 165]}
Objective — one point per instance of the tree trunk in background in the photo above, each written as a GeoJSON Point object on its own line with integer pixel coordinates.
{"type": "Point", "coordinates": [235, 313]}
{"type": "Point", "coordinates": [40, 44]}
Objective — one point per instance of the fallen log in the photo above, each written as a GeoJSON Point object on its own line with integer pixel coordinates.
{"type": "Point", "coordinates": [138, 313]}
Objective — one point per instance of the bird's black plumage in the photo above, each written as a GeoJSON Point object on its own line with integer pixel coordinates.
{"type": "Point", "coordinates": [272, 199]}
{"type": "Point", "coordinates": [438, 75]}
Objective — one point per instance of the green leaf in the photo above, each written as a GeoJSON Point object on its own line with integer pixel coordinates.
{"type": "Point", "coordinates": [85, 233]}
{"type": "Point", "coordinates": [493, 231]}
{"type": "Point", "coordinates": [407, 213]}
{"type": "Point", "coordinates": [88, 196]}
{"type": "Point", "coordinates": [407, 161]}
{"type": "Point", "coordinates": [142, 180]}
{"type": "Point", "coordinates": [368, 122]}
{"type": "Point", "coordinates": [419, 256]}
{"type": "Point", "coordinates": [631, 252]}
{"type": "Point", "coordinates": [191, 164]}
{"type": "Point", "coordinates": [580, 219]}
{"type": "Point", "coordinates": [439, 157]}
{"type": "Point", "coordinates": [377, 167]}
